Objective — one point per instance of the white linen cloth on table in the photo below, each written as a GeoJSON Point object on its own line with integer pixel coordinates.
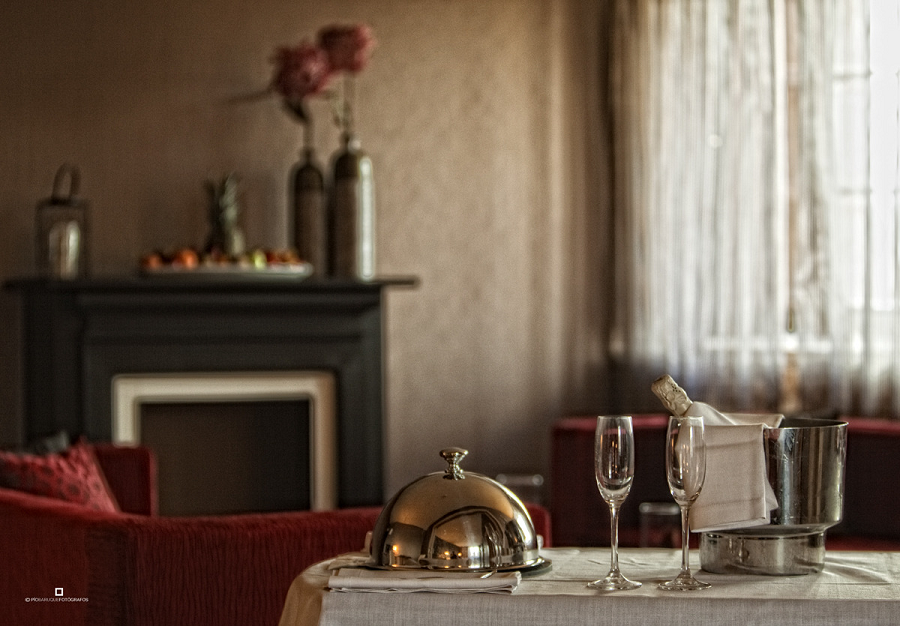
{"type": "Point", "coordinates": [349, 579]}
{"type": "Point", "coordinates": [854, 588]}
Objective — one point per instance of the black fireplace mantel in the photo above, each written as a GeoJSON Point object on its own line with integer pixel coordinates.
{"type": "Point", "coordinates": [79, 334]}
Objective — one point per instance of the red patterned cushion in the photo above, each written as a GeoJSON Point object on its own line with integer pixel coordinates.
{"type": "Point", "coordinates": [73, 475]}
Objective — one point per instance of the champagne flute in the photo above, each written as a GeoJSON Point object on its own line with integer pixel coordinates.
{"type": "Point", "coordinates": [614, 470]}
{"type": "Point", "coordinates": [685, 471]}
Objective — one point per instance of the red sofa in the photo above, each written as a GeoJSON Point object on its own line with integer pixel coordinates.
{"type": "Point", "coordinates": [137, 569]}
{"type": "Point", "coordinates": [871, 516]}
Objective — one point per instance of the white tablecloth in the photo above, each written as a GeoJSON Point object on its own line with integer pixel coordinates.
{"type": "Point", "coordinates": [854, 588]}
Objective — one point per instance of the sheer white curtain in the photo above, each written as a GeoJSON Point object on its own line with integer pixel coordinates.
{"type": "Point", "coordinates": [755, 258]}
{"type": "Point", "coordinates": [864, 311]}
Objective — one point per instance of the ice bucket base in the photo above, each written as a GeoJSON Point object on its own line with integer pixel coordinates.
{"type": "Point", "coordinates": [771, 555]}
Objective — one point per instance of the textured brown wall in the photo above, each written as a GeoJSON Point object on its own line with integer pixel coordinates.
{"type": "Point", "coordinates": [481, 119]}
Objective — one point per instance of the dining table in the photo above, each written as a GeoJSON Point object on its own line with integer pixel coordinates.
{"type": "Point", "coordinates": [852, 588]}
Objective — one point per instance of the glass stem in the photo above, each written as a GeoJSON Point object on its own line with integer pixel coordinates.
{"type": "Point", "coordinates": [614, 537]}
{"type": "Point", "coordinates": [685, 538]}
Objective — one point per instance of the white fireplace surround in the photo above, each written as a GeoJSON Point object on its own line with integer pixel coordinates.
{"type": "Point", "coordinates": [130, 391]}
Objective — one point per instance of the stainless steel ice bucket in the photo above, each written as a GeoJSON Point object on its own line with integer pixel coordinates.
{"type": "Point", "coordinates": [805, 459]}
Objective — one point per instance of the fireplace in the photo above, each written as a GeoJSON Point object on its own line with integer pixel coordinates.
{"type": "Point", "coordinates": [81, 336]}
{"type": "Point", "coordinates": [279, 455]}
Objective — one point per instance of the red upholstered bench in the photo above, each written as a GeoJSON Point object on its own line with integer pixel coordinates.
{"type": "Point", "coordinates": [871, 519]}
{"type": "Point", "coordinates": [872, 489]}
{"type": "Point", "coordinates": [580, 516]}
{"type": "Point", "coordinates": [136, 568]}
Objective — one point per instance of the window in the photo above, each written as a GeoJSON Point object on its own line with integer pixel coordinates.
{"type": "Point", "coordinates": [756, 164]}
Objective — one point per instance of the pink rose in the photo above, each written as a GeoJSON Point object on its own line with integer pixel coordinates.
{"type": "Point", "coordinates": [300, 71]}
{"type": "Point", "coordinates": [348, 47]}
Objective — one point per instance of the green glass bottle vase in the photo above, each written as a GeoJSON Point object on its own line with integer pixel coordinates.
{"type": "Point", "coordinates": [309, 208]}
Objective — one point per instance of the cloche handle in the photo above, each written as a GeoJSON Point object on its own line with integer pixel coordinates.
{"type": "Point", "coordinates": [453, 456]}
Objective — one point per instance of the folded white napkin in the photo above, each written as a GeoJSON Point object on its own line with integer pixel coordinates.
{"type": "Point", "coordinates": [408, 581]}
{"type": "Point", "coordinates": [736, 492]}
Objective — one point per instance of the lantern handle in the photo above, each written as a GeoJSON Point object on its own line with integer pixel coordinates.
{"type": "Point", "coordinates": [74, 184]}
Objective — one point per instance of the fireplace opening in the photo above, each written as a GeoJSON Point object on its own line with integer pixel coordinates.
{"type": "Point", "coordinates": [233, 442]}
{"type": "Point", "coordinates": [229, 457]}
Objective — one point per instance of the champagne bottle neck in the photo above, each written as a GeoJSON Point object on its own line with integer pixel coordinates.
{"type": "Point", "coordinates": [673, 397]}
